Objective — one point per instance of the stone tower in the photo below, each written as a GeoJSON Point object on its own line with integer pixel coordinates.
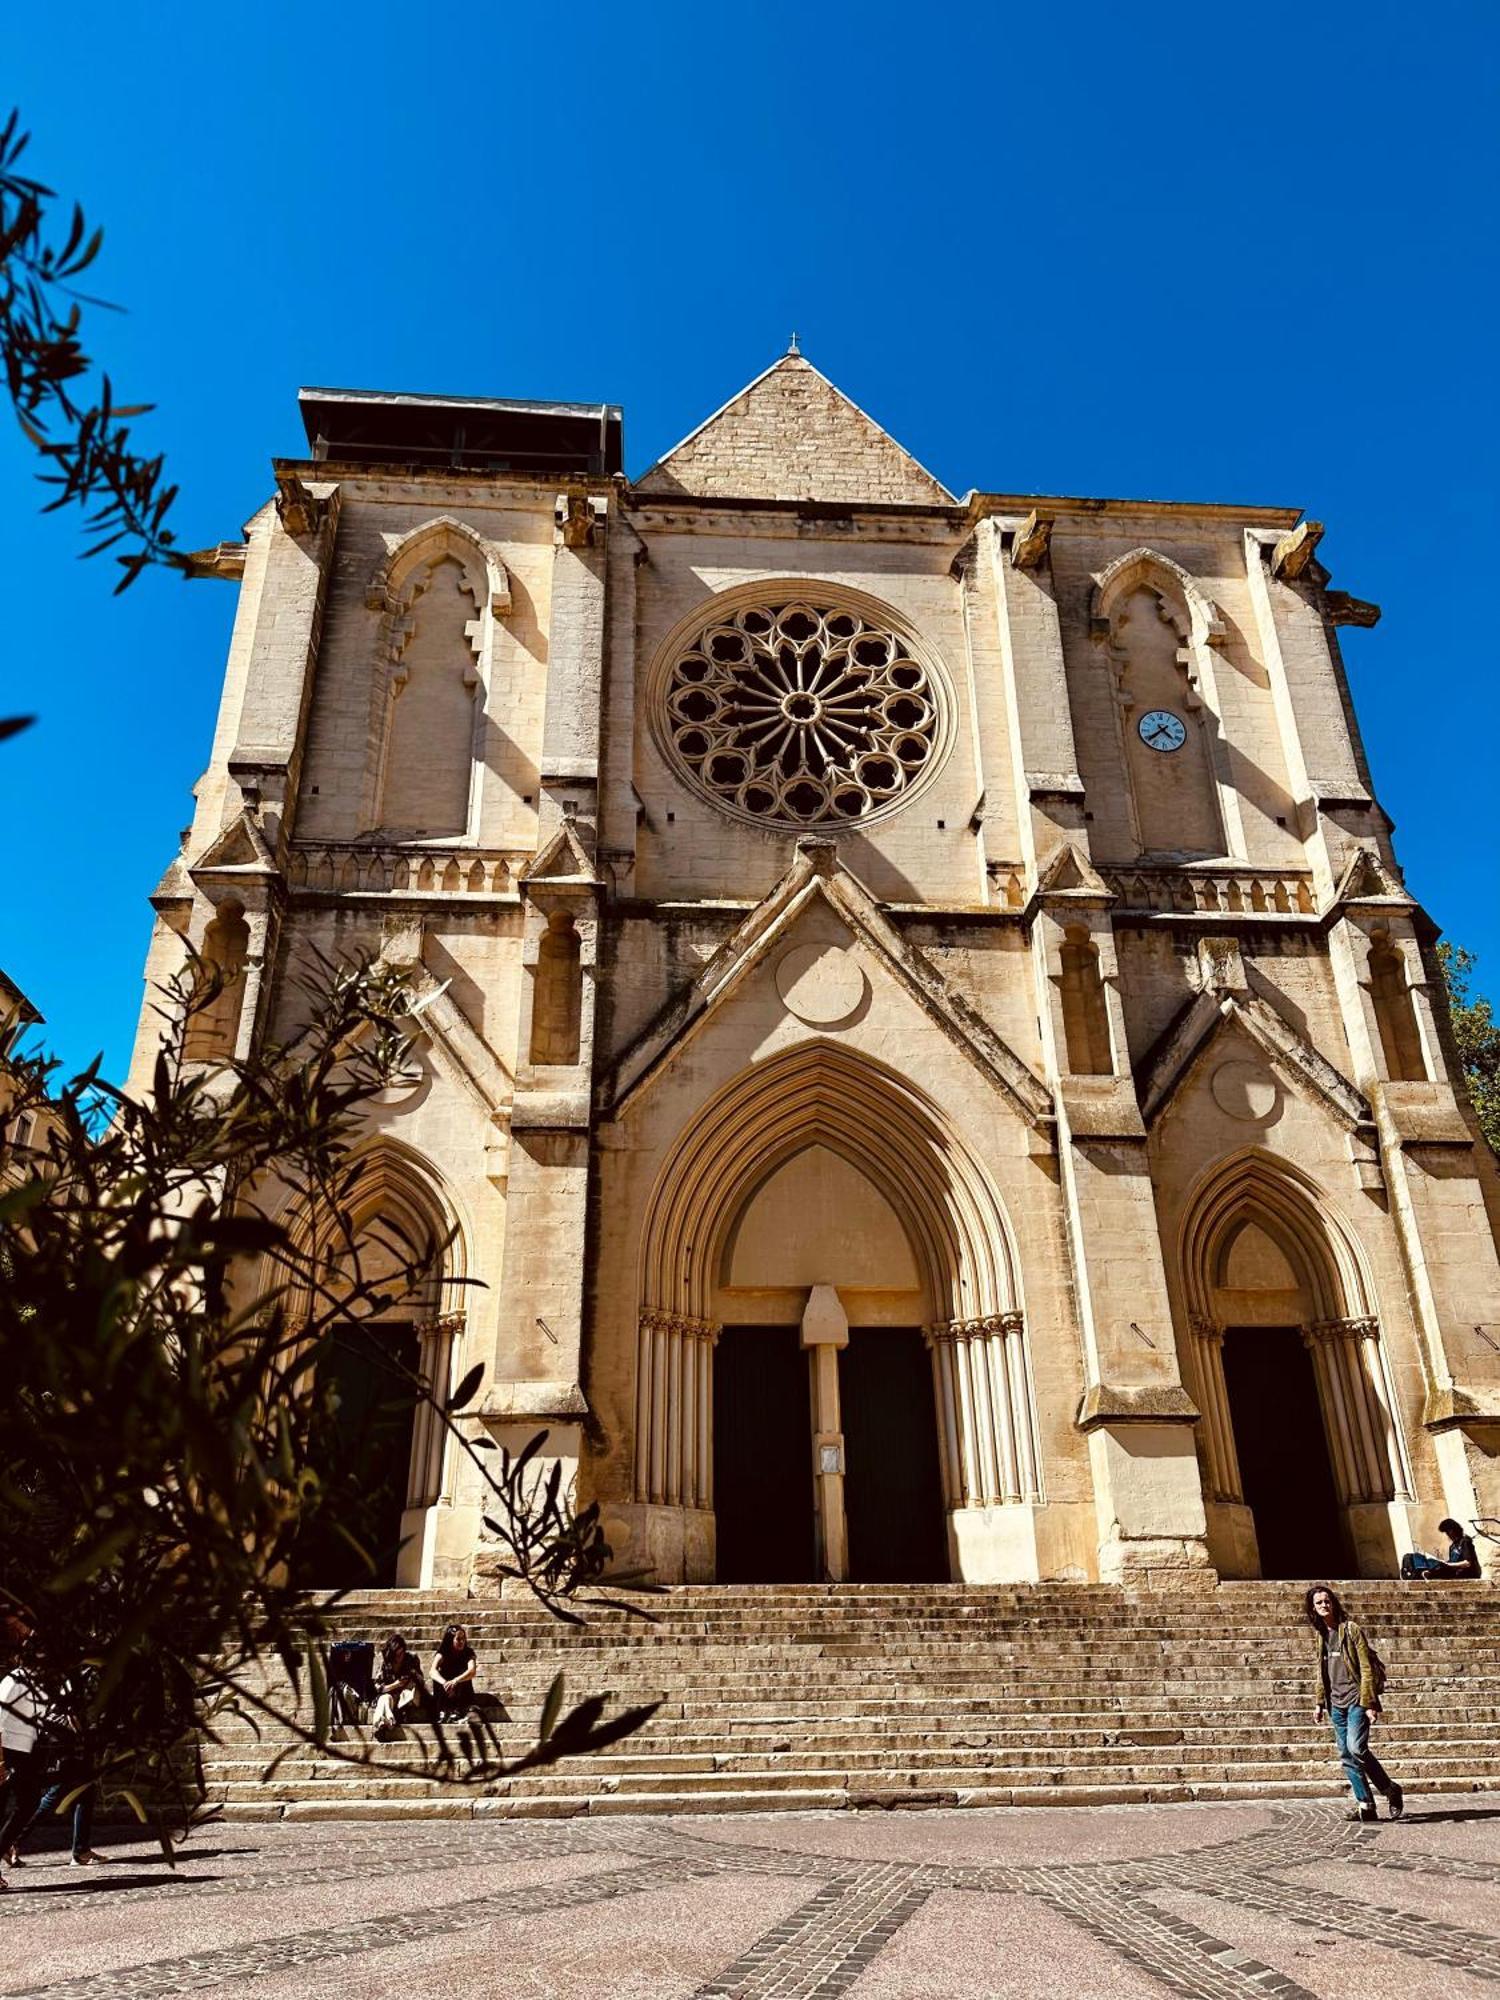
{"type": "Point", "coordinates": [923, 1036]}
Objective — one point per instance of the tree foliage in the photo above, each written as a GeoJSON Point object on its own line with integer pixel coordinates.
{"type": "Point", "coordinates": [72, 419]}
{"type": "Point", "coordinates": [1477, 1035]}
{"type": "Point", "coordinates": [174, 1273]}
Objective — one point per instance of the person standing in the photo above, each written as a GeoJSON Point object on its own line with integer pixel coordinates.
{"type": "Point", "coordinates": [65, 1772]}
{"type": "Point", "coordinates": [1349, 1686]}
{"type": "Point", "coordinates": [25, 1764]}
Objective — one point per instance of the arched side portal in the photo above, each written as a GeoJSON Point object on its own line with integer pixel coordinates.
{"type": "Point", "coordinates": [823, 1095]}
{"type": "Point", "coordinates": [411, 1248]}
{"type": "Point", "coordinates": [1266, 1259]}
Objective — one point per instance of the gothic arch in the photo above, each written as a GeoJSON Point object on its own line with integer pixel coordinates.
{"type": "Point", "coordinates": [421, 780]}
{"type": "Point", "coordinates": [1183, 803]}
{"type": "Point", "coordinates": [388, 1179]}
{"type": "Point", "coordinates": [390, 1189]}
{"type": "Point", "coordinates": [821, 1093]}
{"type": "Point", "coordinates": [400, 578]}
{"type": "Point", "coordinates": [1341, 1323]}
{"type": "Point", "coordinates": [1290, 1207]}
{"type": "Point", "coordinates": [1184, 601]}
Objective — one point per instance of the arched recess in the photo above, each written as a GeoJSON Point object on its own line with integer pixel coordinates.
{"type": "Point", "coordinates": [1321, 1278]}
{"type": "Point", "coordinates": [1160, 629]}
{"type": "Point", "coordinates": [1395, 1014]}
{"type": "Point", "coordinates": [439, 591]}
{"type": "Point", "coordinates": [213, 1025]}
{"type": "Point", "coordinates": [822, 1094]}
{"type": "Point", "coordinates": [409, 1244]}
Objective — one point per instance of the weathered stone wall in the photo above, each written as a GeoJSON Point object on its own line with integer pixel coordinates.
{"type": "Point", "coordinates": [1236, 1024]}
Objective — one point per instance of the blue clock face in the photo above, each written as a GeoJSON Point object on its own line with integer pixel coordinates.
{"type": "Point", "coordinates": [1161, 730]}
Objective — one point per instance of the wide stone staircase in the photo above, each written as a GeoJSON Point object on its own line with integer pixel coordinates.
{"type": "Point", "coordinates": [787, 1697]}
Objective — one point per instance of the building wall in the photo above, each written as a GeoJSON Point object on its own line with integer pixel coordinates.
{"type": "Point", "coordinates": [1236, 978]}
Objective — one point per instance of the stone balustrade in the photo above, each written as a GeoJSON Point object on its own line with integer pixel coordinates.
{"type": "Point", "coordinates": [369, 868]}
{"type": "Point", "coordinates": [1234, 891]}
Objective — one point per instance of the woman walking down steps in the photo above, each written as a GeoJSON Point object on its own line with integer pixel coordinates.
{"type": "Point", "coordinates": [1350, 1679]}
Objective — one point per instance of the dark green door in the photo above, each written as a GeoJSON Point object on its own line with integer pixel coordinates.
{"type": "Point", "coordinates": [366, 1454]}
{"type": "Point", "coordinates": [893, 1489]}
{"type": "Point", "coordinates": [763, 1483]}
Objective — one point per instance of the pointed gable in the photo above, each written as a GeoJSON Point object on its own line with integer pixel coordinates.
{"type": "Point", "coordinates": [817, 874]}
{"type": "Point", "coordinates": [791, 435]}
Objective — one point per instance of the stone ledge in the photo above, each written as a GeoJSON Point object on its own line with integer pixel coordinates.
{"type": "Point", "coordinates": [1164, 1403]}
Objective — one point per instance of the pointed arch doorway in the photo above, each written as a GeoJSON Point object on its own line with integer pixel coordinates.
{"type": "Point", "coordinates": [812, 1374]}
{"type": "Point", "coordinates": [1303, 1462]}
{"type": "Point", "coordinates": [382, 1368]}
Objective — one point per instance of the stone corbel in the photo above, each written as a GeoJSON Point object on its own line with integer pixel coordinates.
{"type": "Point", "coordinates": [579, 518]}
{"type": "Point", "coordinates": [1033, 540]}
{"type": "Point", "coordinates": [300, 510]}
{"type": "Point", "coordinates": [224, 559]}
{"type": "Point", "coordinates": [1294, 555]}
{"type": "Point", "coordinates": [1161, 1403]}
{"type": "Point", "coordinates": [1341, 609]}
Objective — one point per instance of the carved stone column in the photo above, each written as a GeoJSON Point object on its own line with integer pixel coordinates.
{"type": "Point", "coordinates": [436, 1339]}
{"type": "Point", "coordinates": [674, 1410]}
{"type": "Point", "coordinates": [983, 1392]}
{"type": "Point", "coordinates": [1213, 1395]}
{"type": "Point", "coordinates": [1361, 1435]}
{"type": "Point", "coordinates": [825, 1329]}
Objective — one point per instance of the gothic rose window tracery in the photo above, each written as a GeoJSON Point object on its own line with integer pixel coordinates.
{"type": "Point", "coordinates": [799, 712]}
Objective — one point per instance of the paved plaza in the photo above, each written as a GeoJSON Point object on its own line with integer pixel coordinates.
{"type": "Point", "coordinates": [1213, 1901]}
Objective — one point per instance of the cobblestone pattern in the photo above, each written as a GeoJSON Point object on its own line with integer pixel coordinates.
{"type": "Point", "coordinates": [821, 1948]}
{"type": "Point", "coordinates": [1171, 1950]}
{"type": "Point", "coordinates": [362, 1860]}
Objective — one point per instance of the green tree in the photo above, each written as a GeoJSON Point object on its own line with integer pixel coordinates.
{"type": "Point", "coordinates": [174, 1275]}
{"type": "Point", "coordinates": [81, 433]}
{"type": "Point", "coordinates": [1477, 1035]}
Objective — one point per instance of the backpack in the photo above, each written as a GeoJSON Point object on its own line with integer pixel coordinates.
{"type": "Point", "coordinates": [1377, 1669]}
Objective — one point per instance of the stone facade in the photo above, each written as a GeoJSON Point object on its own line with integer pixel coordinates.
{"type": "Point", "coordinates": [855, 924]}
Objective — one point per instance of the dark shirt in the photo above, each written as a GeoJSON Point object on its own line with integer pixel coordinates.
{"type": "Point", "coordinates": [1343, 1687]}
{"type": "Point", "coordinates": [1461, 1554]}
{"type": "Point", "coordinates": [451, 1665]}
{"type": "Point", "coordinates": [400, 1674]}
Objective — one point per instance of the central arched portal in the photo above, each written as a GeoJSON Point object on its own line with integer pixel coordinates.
{"type": "Point", "coordinates": [832, 1354]}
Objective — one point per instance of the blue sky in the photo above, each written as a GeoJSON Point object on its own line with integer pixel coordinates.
{"type": "Point", "coordinates": [1191, 252]}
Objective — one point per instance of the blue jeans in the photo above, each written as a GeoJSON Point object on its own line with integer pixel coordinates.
{"type": "Point", "coordinates": [1351, 1732]}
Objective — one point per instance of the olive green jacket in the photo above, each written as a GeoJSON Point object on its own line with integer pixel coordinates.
{"type": "Point", "coordinates": [1356, 1650]}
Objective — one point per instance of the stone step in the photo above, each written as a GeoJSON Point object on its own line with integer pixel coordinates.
{"type": "Point", "coordinates": [1418, 1775]}
{"type": "Point", "coordinates": [887, 1740]}
{"type": "Point", "coordinates": [775, 1699]}
{"type": "Point", "coordinates": [1469, 1753]}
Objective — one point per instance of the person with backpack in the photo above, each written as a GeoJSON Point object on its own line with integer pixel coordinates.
{"type": "Point", "coordinates": [1462, 1559]}
{"type": "Point", "coordinates": [1351, 1678]}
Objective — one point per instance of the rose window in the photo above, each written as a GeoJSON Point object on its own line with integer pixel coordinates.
{"type": "Point", "coordinates": [796, 714]}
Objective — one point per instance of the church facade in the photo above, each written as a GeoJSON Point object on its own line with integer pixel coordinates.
{"type": "Point", "coordinates": [923, 1038]}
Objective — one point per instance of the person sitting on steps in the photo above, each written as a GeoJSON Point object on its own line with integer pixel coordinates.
{"type": "Point", "coordinates": [398, 1685]}
{"type": "Point", "coordinates": [1462, 1560]}
{"type": "Point", "coordinates": [1350, 1679]}
{"type": "Point", "coordinates": [453, 1670]}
